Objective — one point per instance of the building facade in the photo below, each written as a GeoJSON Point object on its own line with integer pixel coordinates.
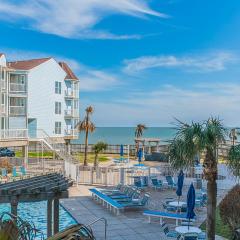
{"type": "Point", "coordinates": [13, 106]}
{"type": "Point", "coordinates": [53, 98]}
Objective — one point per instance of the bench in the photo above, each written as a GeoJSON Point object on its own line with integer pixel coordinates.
{"type": "Point", "coordinates": [110, 203]}
{"type": "Point", "coordinates": [163, 215]}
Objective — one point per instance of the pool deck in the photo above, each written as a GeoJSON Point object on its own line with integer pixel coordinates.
{"type": "Point", "coordinates": [129, 225]}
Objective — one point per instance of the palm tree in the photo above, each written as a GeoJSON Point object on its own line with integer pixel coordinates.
{"type": "Point", "coordinates": [97, 148]}
{"type": "Point", "coordinates": [138, 133]}
{"type": "Point", "coordinates": [139, 130]}
{"type": "Point", "coordinates": [233, 135]}
{"type": "Point", "coordinates": [87, 126]}
{"type": "Point", "coordinates": [195, 138]}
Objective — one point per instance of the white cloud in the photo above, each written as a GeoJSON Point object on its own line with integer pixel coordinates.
{"type": "Point", "coordinates": [201, 63]}
{"type": "Point", "coordinates": [72, 18]}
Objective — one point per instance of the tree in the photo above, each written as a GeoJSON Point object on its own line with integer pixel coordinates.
{"type": "Point", "coordinates": [98, 148]}
{"type": "Point", "coordinates": [139, 130]}
{"type": "Point", "coordinates": [87, 126]}
{"type": "Point", "coordinates": [230, 209]}
{"type": "Point", "coordinates": [234, 160]}
{"type": "Point", "coordinates": [195, 138]}
{"type": "Point", "coordinates": [233, 135]}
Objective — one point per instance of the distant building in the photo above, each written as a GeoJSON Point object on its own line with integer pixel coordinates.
{"type": "Point", "coordinates": [53, 98]}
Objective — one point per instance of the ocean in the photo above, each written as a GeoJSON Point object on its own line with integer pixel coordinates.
{"type": "Point", "coordinates": [125, 135]}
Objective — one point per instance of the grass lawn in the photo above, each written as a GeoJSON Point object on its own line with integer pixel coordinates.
{"type": "Point", "coordinates": [91, 156]}
{"type": "Point", "coordinates": [221, 228]}
{"type": "Point", "coordinates": [36, 155]}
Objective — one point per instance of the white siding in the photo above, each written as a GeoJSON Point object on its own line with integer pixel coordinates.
{"type": "Point", "coordinates": [3, 61]}
{"type": "Point", "coordinates": [42, 97]}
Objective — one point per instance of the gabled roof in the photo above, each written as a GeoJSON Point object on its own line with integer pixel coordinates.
{"type": "Point", "coordinates": [27, 64]}
{"type": "Point", "coordinates": [69, 72]}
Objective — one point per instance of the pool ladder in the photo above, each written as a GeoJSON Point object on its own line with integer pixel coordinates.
{"type": "Point", "coordinates": [104, 220]}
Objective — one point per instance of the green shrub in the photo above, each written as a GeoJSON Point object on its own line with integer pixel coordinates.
{"type": "Point", "coordinates": [230, 208]}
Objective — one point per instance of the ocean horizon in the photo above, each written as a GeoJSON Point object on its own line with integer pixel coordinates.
{"type": "Point", "coordinates": [125, 135]}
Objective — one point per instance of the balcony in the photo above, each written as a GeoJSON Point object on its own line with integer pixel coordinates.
{"type": "Point", "coordinates": [17, 87]}
{"type": "Point", "coordinates": [2, 109]}
{"type": "Point", "coordinates": [70, 132]}
{"type": "Point", "coordinates": [3, 84]}
{"type": "Point", "coordinates": [71, 113]}
{"type": "Point", "coordinates": [71, 93]}
{"type": "Point", "coordinates": [13, 134]}
{"type": "Point", "coordinates": [17, 110]}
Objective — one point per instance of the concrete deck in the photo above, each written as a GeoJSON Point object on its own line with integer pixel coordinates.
{"type": "Point", "coordinates": [129, 225]}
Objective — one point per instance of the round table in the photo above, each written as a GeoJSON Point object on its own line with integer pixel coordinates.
{"type": "Point", "coordinates": [185, 229]}
{"type": "Point", "coordinates": [177, 204]}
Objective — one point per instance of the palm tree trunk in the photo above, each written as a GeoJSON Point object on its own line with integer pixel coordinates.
{"type": "Point", "coordinates": [96, 160]}
{"type": "Point", "coordinates": [86, 149]}
{"type": "Point", "coordinates": [211, 209]}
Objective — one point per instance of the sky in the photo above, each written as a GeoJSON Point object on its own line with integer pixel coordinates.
{"type": "Point", "coordinates": [138, 61]}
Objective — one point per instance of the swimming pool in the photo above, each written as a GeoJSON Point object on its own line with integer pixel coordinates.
{"type": "Point", "coordinates": [36, 212]}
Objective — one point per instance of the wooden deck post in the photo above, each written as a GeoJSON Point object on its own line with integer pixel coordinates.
{"type": "Point", "coordinates": [56, 216]}
{"type": "Point", "coordinates": [14, 205]}
{"type": "Point", "coordinates": [49, 218]}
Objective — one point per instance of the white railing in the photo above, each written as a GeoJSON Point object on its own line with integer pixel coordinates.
{"type": "Point", "coordinates": [71, 113]}
{"type": "Point", "coordinates": [2, 108]}
{"type": "Point", "coordinates": [13, 134]}
{"type": "Point", "coordinates": [3, 84]}
{"type": "Point", "coordinates": [71, 93]}
{"type": "Point", "coordinates": [17, 110]}
{"type": "Point", "coordinates": [16, 87]}
{"type": "Point", "coordinates": [70, 132]}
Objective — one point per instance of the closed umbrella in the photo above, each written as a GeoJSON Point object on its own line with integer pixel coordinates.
{"type": "Point", "coordinates": [139, 155]}
{"type": "Point", "coordinates": [190, 203]}
{"type": "Point", "coordinates": [180, 184]}
{"type": "Point", "coordinates": [121, 151]}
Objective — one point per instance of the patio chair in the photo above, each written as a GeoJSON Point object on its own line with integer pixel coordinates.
{"type": "Point", "coordinates": [170, 233]}
{"type": "Point", "coordinates": [190, 236]}
{"type": "Point", "coordinates": [169, 208]}
{"type": "Point", "coordinates": [202, 236]}
{"type": "Point", "coordinates": [4, 174]}
{"type": "Point", "coordinates": [170, 182]}
{"type": "Point", "coordinates": [156, 184]}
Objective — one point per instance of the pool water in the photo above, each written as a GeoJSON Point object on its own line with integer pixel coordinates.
{"type": "Point", "coordinates": [36, 212]}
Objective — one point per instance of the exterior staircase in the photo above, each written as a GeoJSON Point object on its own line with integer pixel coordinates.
{"type": "Point", "coordinates": [50, 144]}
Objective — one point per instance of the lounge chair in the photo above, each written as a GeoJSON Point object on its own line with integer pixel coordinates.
{"type": "Point", "coordinates": [134, 198]}
{"type": "Point", "coordinates": [138, 203]}
{"type": "Point", "coordinates": [127, 195]}
{"type": "Point", "coordinates": [170, 182]}
{"type": "Point", "coordinates": [156, 184]}
{"type": "Point", "coordinates": [170, 233]}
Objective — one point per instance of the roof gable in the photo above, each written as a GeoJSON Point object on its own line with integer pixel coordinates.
{"type": "Point", "coordinates": [68, 70]}
{"type": "Point", "coordinates": [27, 64]}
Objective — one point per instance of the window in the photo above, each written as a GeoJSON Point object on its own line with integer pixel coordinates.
{"type": "Point", "coordinates": [58, 126]}
{"type": "Point", "coordinates": [58, 87]}
{"type": "Point", "coordinates": [57, 107]}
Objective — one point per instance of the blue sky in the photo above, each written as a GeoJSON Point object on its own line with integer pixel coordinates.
{"type": "Point", "coordinates": [138, 61]}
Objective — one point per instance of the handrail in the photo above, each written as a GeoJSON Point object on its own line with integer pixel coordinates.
{"type": "Point", "coordinates": [105, 225]}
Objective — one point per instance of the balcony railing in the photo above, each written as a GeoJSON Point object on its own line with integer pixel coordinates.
{"type": "Point", "coordinates": [3, 84]}
{"type": "Point", "coordinates": [2, 108]}
{"type": "Point", "coordinates": [13, 134]}
{"type": "Point", "coordinates": [18, 110]}
{"type": "Point", "coordinates": [16, 87]}
{"type": "Point", "coordinates": [71, 113]}
{"type": "Point", "coordinates": [70, 132]}
{"type": "Point", "coordinates": [71, 93]}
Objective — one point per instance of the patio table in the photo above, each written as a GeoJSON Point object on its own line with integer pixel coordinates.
{"type": "Point", "coordinates": [185, 229]}
{"type": "Point", "coordinates": [177, 204]}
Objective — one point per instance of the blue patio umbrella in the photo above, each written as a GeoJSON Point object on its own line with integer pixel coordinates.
{"type": "Point", "coordinates": [180, 184]}
{"type": "Point", "coordinates": [121, 150]}
{"type": "Point", "coordinates": [140, 153]}
{"type": "Point", "coordinates": [190, 203]}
